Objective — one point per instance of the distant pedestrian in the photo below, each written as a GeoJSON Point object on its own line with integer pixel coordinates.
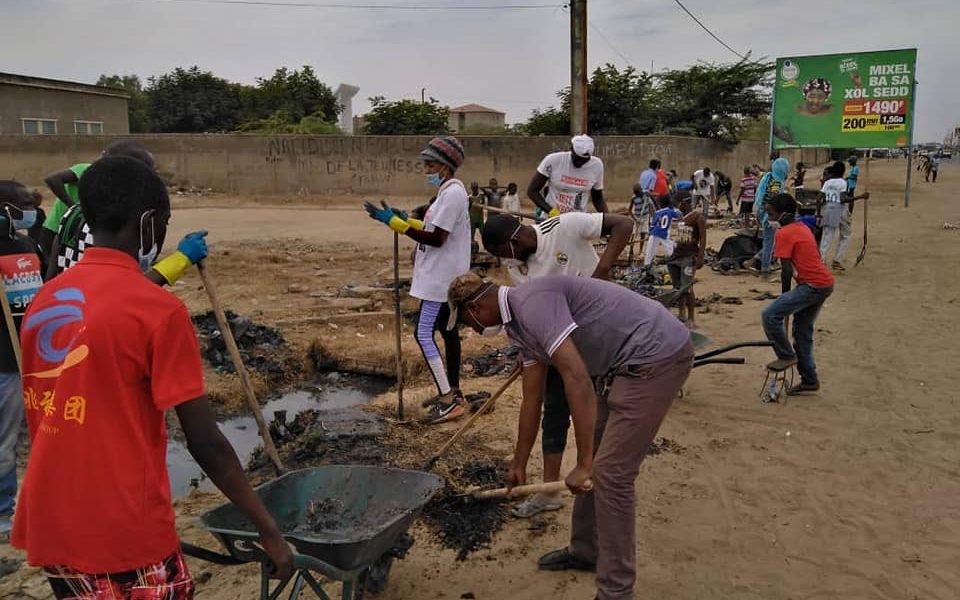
{"type": "Point", "coordinates": [687, 258]}
{"type": "Point", "coordinates": [724, 187]}
{"type": "Point", "coordinates": [934, 163]}
{"type": "Point", "coordinates": [477, 200]}
{"type": "Point", "coordinates": [642, 208]}
{"type": "Point", "coordinates": [797, 181]}
{"type": "Point", "coordinates": [852, 176]}
{"type": "Point", "coordinates": [704, 190]}
{"type": "Point", "coordinates": [748, 191]}
{"type": "Point", "coordinates": [836, 218]}
{"type": "Point", "coordinates": [511, 200]}
{"type": "Point", "coordinates": [493, 193]}
{"type": "Point", "coordinates": [770, 185]}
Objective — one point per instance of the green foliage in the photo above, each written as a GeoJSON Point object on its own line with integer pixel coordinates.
{"type": "Point", "coordinates": [406, 117]}
{"type": "Point", "coordinates": [549, 121]}
{"type": "Point", "coordinates": [281, 122]}
{"type": "Point", "coordinates": [193, 101]}
{"type": "Point", "coordinates": [705, 100]}
{"type": "Point", "coordinates": [138, 106]}
{"type": "Point", "coordinates": [298, 94]}
{"type": "Point", "coordinates": [714, 100]}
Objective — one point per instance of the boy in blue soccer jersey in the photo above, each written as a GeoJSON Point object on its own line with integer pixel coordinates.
{"type": "Point", "coordinates": [660, 232]}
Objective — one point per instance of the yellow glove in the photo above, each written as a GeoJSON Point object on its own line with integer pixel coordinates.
{"type": "Point", "coordinates": [172, 267]}
{"type": "Point", "coordinates": [554, 212]}
{"type": "Point", "coordinates": [397, 224]}
{"type": "Point", "coordinates": [415, 223]}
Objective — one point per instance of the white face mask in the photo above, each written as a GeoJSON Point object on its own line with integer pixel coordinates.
{"type": "Point", "coordinates": [512, 263]}
{"type": "Point", "coordinates": [146, 259]}
{"type": "Point", "coordinates": [492, 331]}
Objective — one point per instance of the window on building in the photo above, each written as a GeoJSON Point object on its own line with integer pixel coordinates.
{"type": "Point", "coordinates": [39, 126]}
{"type": "Point", "coordinates": [88, 127]}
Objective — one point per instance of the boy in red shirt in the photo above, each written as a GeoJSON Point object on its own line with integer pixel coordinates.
{"type": "Point", "coordinates": [797, 250]}
{"type": "Point", "coordinates": [105, 353]}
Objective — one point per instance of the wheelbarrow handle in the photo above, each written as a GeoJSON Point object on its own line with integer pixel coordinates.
{"type": "Point", "coordinates": [209, 555]}
{"type": "Point", "coordinates": [725, 349]}
{"type": "Point", "coordinates": [739, 360]}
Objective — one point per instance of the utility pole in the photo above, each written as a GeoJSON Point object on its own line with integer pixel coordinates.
{"type": "Point", "coordinates": [578, 66]}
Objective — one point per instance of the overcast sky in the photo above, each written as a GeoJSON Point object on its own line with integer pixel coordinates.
{"type": "Point", "coordinates": [512, 60]}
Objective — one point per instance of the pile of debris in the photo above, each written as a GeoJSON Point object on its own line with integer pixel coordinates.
{"type": "Point", "coordinates": [263, 348]}
{"type": "Point", "coordinates": [464, 524]}
{"type": "Point", "coordinates": [494, 362]}
{"type": "Point", "coordinates": [643, 280]}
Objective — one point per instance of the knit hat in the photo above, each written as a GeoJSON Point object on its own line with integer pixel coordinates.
{"type": "Point", "coordinates": [445, 150]}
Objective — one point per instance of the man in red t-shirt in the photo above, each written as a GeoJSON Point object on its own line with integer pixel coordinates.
{"type": "Point", "coordinates": [105, 353]}
{"type": "Point", "coordinates": [797, 250]}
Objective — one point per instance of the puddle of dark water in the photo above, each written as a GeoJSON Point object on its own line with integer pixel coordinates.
{"type": "Point", "coordinates": [331, 391]}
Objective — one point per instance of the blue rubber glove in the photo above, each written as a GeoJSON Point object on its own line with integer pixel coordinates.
{"type": "Point", "coordinates": [194, 246]}
{"type": "Point", "coordinates": [400, 213]}
{"type": "Point", "coordinates": [380, 214]}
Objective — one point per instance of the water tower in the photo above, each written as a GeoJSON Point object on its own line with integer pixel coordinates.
{"type": "Point", "coordinates": [345, 93]}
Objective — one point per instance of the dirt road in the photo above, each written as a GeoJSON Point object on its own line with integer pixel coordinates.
{"type": "Point", "coordinates": [851, 493]}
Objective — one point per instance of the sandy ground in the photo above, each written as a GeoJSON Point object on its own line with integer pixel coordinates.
{"type": "Point", "coordinates": [850, 493]}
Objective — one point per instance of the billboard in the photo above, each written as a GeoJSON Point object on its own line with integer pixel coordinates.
{"type": "Point", "coordinates": [857, 100]}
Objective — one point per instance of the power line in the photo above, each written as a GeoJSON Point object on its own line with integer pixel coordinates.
{"type": "Point", "coordinates": [705, 28]}
{"type": "Point", "coordinates": [342, 5]}
{"type": "Point", "coordinates": [609, 43]}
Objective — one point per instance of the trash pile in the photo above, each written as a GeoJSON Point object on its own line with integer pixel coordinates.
{"type": "Point", "coordinates": [494, 362]}
{"type": "Point", "coordinates": [643, 280]}
{"type": "Point", "coordinates": [464, 524]}
{"type": "Point", "coordinates": [263, 348]}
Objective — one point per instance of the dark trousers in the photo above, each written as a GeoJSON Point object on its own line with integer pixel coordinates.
{"type": "Point", "coordinates": [804, 303]}
{"type": "Point", "coordinates": [628, 419]}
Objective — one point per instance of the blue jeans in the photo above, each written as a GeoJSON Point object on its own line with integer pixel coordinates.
{"type": "Point", "coordinates": [11, 415]}
{"type": "Point", "coordinates": [766, 252]}
{"type": "Point", "coordinates": [803, 302]}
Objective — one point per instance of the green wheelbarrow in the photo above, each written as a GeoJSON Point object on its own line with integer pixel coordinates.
{"type": "Point", "coordinates": [346, 523]}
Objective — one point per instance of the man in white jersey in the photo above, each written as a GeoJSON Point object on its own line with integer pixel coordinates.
{"type": "Point", "coordinates": [570, 177]}
{"type": "Point", "coordinates": [561, 245]}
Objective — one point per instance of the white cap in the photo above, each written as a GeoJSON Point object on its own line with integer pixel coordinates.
{"type": "Point", "coordinates": [582, 145]}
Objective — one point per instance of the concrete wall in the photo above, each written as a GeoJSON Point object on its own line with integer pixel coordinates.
{"type": "Point", "coordinates": [23, 102]}
{"type": "Point", "coordinates": [382, 166]}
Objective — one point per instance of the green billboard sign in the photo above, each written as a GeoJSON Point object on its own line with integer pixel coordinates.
{"type": "Point", "coordinates": [859, 100]}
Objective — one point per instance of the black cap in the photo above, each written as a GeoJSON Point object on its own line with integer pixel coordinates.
{"type": "Point", "coordinates": [497, 231]}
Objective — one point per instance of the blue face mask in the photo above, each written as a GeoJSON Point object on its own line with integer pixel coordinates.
{"type": "Point", "coordinates": [28, 220]}
{"type": "Point", "coordinates": [434, 179]}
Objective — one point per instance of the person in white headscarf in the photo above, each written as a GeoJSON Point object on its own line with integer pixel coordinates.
{"type": "Point", "coordinates": [568, 177]}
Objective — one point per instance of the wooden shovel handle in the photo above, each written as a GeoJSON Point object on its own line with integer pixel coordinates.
{"type": "Point", "coordinates": [524, 490]}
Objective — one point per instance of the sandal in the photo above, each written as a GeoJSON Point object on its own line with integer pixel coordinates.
{"type": "Point", "coordinates": [535, 505]}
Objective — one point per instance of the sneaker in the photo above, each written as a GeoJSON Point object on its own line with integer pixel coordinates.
{"type": "Point", "coordinates": [455, 394]}
{"type": "Point", "coordinates": [535, 505]}
{"type": "Point", "coordinates": [564, 560]}
{"type": "Point", "coordinates": [441, 413]}
{"type": "Point", "coordinates": [838, 266]}
{"type": "Point", "coordinates": [803, 388]}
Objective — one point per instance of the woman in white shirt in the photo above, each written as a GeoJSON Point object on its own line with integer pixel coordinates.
{"type": "Point", "coordinates": [443, 253]}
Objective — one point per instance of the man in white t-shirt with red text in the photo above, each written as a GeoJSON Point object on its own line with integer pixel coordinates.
{"type": "Point", "coordinates": [569, 177]}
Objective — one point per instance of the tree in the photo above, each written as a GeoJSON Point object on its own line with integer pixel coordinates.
{"type": "Point", "coordinates": [714, 101]}
{"type": "Point", "coordinates": [281, 122]}
{"type": "Point", "coordinates": [138, 106]}
{"type": "Point", "coordinates": [706, 100]}
{"type": "Point", "coordinates": [298, 94]}
{"type": "Point", "coordinates": [406, 117]}
{"type": "Point", "coordinates": [193, 101]}
{"type": "Point", "coordinates": [549, 121]}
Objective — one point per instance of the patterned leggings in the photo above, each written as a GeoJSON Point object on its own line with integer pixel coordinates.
{"type": "Point", "coordinates": [168, 579]}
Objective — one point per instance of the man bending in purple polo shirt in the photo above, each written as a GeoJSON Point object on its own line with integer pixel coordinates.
{"type": "Point", "coordinates": [588, 328]}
